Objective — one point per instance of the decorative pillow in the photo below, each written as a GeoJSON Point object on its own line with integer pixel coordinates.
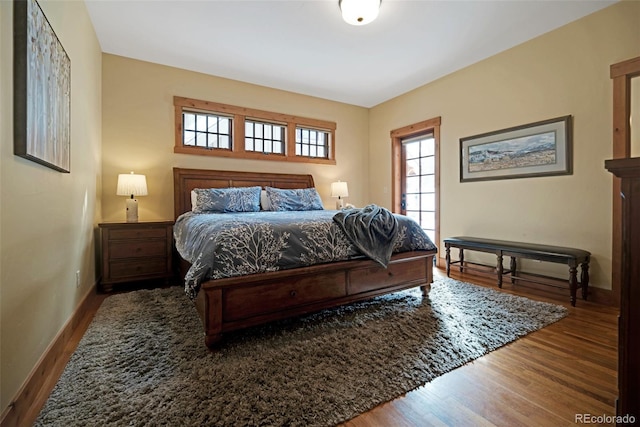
{"type": "Point", "coordinates": [301, 199]}
{"type": "Point", "coordinates": [238, 199]}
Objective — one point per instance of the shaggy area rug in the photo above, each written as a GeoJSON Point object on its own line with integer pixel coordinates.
{"type": "Point", "coordinates": [143, 360]}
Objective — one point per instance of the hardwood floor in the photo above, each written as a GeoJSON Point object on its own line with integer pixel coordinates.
{"type": "Point", "coordinates": [547, 378]}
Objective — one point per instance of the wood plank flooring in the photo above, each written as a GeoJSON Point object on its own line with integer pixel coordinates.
{"type": "Point", "coordinates": [543, 379]}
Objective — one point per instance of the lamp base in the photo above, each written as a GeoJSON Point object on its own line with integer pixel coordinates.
{"type": "Point", "coordinates": [340, 204]}
{"type": "Point", "coordinates": [132, 210]}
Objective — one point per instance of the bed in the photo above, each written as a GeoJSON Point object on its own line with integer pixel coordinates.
{"type": "Point", "coordinates": [240, 301]}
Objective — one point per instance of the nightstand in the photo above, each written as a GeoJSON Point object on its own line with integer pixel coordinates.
{"type": "Point", "coordinates": [133, 251]}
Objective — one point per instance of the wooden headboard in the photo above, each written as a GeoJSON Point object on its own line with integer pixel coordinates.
{"type": "Point", "coordinates": [185, 180]}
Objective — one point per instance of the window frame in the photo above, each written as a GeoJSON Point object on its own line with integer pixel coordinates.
{"type": "Point", "coordinates": [238, 115]}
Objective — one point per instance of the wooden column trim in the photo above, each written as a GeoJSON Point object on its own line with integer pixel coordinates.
{"type": "Point", "coordinates": [621, 73]}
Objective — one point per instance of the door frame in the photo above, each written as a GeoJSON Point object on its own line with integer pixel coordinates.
{"type": "Point", "coordinates": [397, 166]}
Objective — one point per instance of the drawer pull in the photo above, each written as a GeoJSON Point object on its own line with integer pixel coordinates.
{"type": "Point", "coordinates": [293, 294]}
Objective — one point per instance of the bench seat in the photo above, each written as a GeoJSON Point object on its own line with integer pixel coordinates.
{"type": "Point", "coordinates": [570, 256]}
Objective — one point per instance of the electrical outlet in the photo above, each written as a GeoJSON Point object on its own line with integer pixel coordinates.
{"type": "Point", "coordinates": [78, 279]}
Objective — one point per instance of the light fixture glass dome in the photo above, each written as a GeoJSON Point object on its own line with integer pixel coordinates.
{"type": "Point", "coordinates": [359, 12]}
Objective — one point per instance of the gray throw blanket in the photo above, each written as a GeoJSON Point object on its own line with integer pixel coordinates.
{"type": "Point", "coordinates": [371, 229]}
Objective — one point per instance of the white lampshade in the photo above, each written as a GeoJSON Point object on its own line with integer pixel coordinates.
{"type": "Point", "coordinates": [130, 184]}
{"type": "Point", "coordinates": [339, 189]}
{"type": "Point", "coordinates": [359, 12]}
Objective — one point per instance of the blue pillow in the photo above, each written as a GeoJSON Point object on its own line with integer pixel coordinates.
{"type": "Point", "coordinates": [221, 200]}
{"type": "Point", "coordinates": [302, 199]}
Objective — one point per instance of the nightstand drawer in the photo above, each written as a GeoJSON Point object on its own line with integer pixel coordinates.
{"type": "Point", "coordinates": [133, 249]}
{"type": "Point", "coordinates": [133, 269]}
{"type": "Point", "coordinates": [137, 233]}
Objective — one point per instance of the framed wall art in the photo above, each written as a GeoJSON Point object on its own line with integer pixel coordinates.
{"type": "Point", "coordinates": [535, 149]}
{"type": "Point", "coordinates": [42, 90]}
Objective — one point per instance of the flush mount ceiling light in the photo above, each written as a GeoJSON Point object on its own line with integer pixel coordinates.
{"type": "Point", "coordinates": [359, 12]}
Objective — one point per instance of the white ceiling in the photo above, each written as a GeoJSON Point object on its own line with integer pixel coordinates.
{"type": "Point", "coordinates": [304, 46]}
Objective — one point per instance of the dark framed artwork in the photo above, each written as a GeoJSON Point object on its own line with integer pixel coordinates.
{"type": "Point", "coordinates": [42, 89]}
{"type": "Point", "coordinates": [536, 149]}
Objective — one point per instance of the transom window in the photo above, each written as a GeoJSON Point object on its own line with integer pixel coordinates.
{"type": "Point", "coordinates": [206, 130]}
{"type": "Point", "coordinates": [312, 143]}
{"type": "Point", "coordinates": [264, 137]}
{"type": "Point", "coordinates": [213, 129]}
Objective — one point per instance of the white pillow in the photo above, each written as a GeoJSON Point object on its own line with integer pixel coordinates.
{"type": "Point", "coordinates": [265, 203]}
{"type": "Point", "coordinates": [194, 200]}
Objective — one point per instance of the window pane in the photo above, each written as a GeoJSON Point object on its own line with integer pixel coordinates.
{"type": "Point", "coordinates": [428, 202]}
{"type": "Point", "coordinates": [413, 167]}
{"type": "Point", "coordinates": [248, 144]}
{"type": "Point", "coordinates": [189, 121]}
{"type": "Point", "coordinates": [428, 183]}
{"type": "Point", "coordinates": [248, 129]}
{"type": "Point", "coordinates": [428, 220]}
{"type": "Point", "coordinates": [412, 150]}
{"type": "Point", "coordinates": [413, 185]}
{"type": "Point", "coordinates": [189, 138]}
{"type": "Point", "coordinates": [223, 124]}
{"type": "Point", "coordinates": [201, 123]}
{"type": "Point", "coordinates": [258, 130]}
{"type": "Point", "coordinates": [413, 202]}
{"type": "Point", "coordinates": [428, 147]}
{"type": "Point", "coordinates": [277, 147]}
{"type": "Point", "coordinates": [267, 132]}
{"type": "Point", "coordinates": [427, 165]}
{"type": "Point", "coordinates": [258, 145]}
{"type": "Point", "coordinates": [201, 139]}
{"type": "Point", "coordinates": [224, 142]}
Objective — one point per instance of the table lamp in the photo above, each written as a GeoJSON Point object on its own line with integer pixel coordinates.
{"type": "Point", "coordinates": [339, 189]}
{"type": "Point", "coordinates": [132, 185]}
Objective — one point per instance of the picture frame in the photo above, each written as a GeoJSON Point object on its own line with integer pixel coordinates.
{"type": "Point", "coordinates": [543, 148]}
{"type": "Point", "coordinates": [42, 90]}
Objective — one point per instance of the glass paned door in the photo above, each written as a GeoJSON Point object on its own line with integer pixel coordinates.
{"type": "Point", "coordinates": [419, 182]}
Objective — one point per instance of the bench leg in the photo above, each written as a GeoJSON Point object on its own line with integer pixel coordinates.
{"type": "Point", "coordinates": [573, 283]}
{"type": "Point", "coordinates": [499, 270]}
{"type": "Point", "coordinates": [461, 260]}
{"type": "Point", "coordinates": [584, 278]}
{"type": "Point", "coordinates": [512, 269]}
{"type": "Point", "coordinates": [448, 258]}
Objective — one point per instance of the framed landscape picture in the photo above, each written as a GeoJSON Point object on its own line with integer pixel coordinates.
{"type": "Point", "coordinates": [42, 90]}
{"type": "Point", "coordinates": [535, 149]}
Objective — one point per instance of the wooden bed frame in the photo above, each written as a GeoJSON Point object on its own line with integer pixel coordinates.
{"type": "Point", "coordinates": [239, 302]}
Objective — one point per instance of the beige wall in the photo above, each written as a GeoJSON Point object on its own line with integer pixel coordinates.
{"type": "Point", "coordinates": [138, 133]}
{"type": "Point", "coordinates": [562, 72]}
{"type": "Point", "coordinates": [47, 217]}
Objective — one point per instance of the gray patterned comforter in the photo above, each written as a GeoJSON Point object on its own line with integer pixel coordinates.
{"type": "Point", "coordinates": [234, 244]}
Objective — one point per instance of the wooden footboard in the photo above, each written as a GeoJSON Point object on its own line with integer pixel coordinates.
{"type": "Point", "coordinates": [239, 302]}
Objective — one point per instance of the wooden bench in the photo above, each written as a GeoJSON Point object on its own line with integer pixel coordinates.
{"type": "Point", "coordinates": [501, 248]}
